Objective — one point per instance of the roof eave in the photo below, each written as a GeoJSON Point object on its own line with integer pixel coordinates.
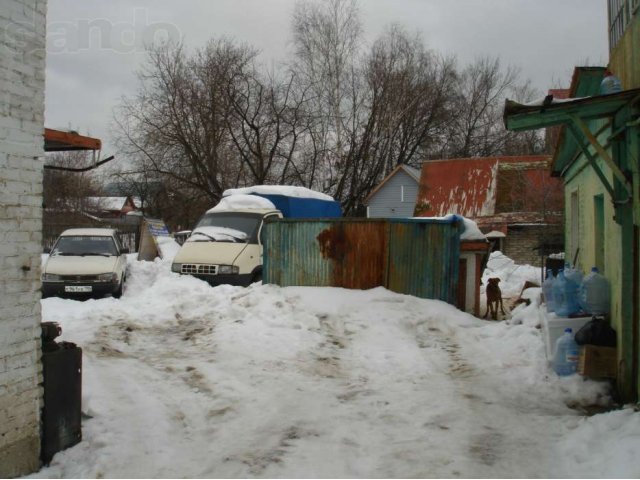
{"type": "Point", "coordinates": [518, 117]}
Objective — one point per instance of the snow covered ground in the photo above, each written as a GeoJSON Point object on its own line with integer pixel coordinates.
{"type": "Point", "coordinates": [184, 380]}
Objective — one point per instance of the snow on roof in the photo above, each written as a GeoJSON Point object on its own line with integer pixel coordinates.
{"type": "Point", "coordinates": [471, 231]}
{"type": "Point", "coordinates": [241, 201]}
{"type": "Point", "coordinates": [90, 232]}
{"type": "Point", "coordinates": [286, 190]}
{"type": "Point", "coordinates": [108, 203]}
{"type": "Point", "coordinates": [554, 100]}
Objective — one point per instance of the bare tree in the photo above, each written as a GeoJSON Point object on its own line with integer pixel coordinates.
{"type": "Point", "coordinates": [476, 128]}
{"type": "Point", "coordinates": [178, 123]}
{"type": "Point", "coordinates": [338, 119]}
{"type": "Point", "coordinates": [266, 122]}
{"type": "Point", "coordinates": [327, 38]}
{"type": "Point", "coordinates": [66, 191]}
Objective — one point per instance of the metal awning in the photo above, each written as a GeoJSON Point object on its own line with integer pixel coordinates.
{"type": "Point", "coordinates": [70, 141]}
{"type": "Point", "coordinates": [518, 117]}
{"type": "Point", "coordinates": [574, 115]}
{"type": "Point", "coordinates": [66, 141]}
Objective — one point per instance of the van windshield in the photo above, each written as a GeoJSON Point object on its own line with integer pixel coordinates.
{"type": "Point", "coordinates": [81, 245]}
{"type": "Point", "coordinates": [247, 223]}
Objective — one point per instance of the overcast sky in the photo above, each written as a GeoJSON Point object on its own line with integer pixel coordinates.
{"type": "Point", "coordinates": [95, 46]}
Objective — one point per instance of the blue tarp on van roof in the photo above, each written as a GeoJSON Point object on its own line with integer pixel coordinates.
{"type": "Point", "coordinates": [295, 207]}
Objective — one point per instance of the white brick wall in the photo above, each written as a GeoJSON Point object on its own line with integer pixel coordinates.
{"type": "Point", "coordinates": [22, 68]}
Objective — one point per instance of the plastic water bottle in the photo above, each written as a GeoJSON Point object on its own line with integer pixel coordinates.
{"type": "Point", "coordinates": [547, 291]}
{"type": "Point", "coordinates": [594, 295]}
{"type": "Point", "coordinates": [565, 296]}
{"type": "Point", "coordinates": [610, 84]}
{"type": "Point", "coordinates": [572, 274]}
{"type": "Point", "coordinates": [565, 360]}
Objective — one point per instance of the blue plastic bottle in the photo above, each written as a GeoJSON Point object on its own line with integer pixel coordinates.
{"type": "Point", "coordinates": [594, 295]}
{"type": "Point", "coordinates": [547, 291]}
{"type": "Point", "coordinates": [573, 274]}
{"type": "Point", "coordinates": [565, 296]}
{"type": "Point", "coordinates": [610, 84]}
{"type": "Point", "coordinates": [565, 360]}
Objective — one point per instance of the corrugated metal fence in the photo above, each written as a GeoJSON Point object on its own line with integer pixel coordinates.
{"type": "Point", "coordinates": [412, 256]}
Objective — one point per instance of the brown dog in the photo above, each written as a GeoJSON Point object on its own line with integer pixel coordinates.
{"type": "Point", "coordinates": [494, 298]}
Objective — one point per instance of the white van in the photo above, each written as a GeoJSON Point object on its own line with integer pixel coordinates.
{"type": "Point", "coordinates": [226, 245]}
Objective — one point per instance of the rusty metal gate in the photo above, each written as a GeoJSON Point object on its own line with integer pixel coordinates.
{"type": "Point", "coordinates": [414, 256]}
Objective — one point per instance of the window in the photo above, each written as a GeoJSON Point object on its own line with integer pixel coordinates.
{"type": "Point", "coordinates": [574, 234]}
{"type": "Point", "coordinates": [620, 14]}
{"type": "Point", "coordinates": [598, 230]}
{"type": "Point", "coordinates": [402, 193]}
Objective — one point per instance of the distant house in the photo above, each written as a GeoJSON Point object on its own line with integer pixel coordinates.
{"type": "Point", "coordinates": [512, 199]}
{"type": "Point", "coordinates": [395, 196]}
{"type": "Point", "coordinates": [111, 207]}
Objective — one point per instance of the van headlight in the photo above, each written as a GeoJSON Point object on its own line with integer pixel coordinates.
{"type": "Point", "coordinates": [176, 267]}
{"type": "Point", "coordinates": [51, 277]}
{"type": "Point", "coordinates": [227, 269]}
{"type": "Point", "coordinates": [108, 277]}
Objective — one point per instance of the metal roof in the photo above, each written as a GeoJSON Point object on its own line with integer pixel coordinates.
{"type": "Point", "coordinates": [65, 141]}
{"type": "Point", "coordinates": [487, 186]}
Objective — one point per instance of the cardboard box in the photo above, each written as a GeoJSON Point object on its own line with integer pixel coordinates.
{"type": "Point", "coordinates": [598, 362]}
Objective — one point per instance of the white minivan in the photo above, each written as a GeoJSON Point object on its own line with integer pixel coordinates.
{"type": "Point", "coordinates": [85, 262]}
{"type": "Point", "coordinates": [225, 247]}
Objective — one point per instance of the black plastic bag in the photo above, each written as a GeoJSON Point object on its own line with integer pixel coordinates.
{"type": "Point", "coordinates": [596, 331]}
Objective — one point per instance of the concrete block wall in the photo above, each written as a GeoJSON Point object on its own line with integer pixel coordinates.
{"type": "Point", "coordinates": [22, 70]}
{"type": "Point", "coordinates": [520, 241]}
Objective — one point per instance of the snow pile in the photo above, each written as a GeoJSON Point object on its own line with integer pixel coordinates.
{"type": "Point", "coordinates": [471, 231]}
{"type": "Point", "coordinates": [602, 446]}
{"type": "Point", "coordinates": [512, 276]}
{"type": "Point", "coordinates": [184, 380]}
{"type": "Point", "coordinates": [241, 201]}
{"type": "Point", "coordinates": [168, 247]}
{"type": "Point", "coordinates": [286, 190]}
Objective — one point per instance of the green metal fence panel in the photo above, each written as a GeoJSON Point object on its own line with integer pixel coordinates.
{"type": "Point", "coordinates": [424, 258]}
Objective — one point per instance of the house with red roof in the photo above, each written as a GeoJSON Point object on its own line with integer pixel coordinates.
{"type": "Point", "coordinates": [514, 200]}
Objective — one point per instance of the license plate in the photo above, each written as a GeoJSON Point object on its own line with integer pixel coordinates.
{"type": "Point", "coordinates": [78, 289]}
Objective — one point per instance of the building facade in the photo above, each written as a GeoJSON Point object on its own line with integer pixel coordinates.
{"type": "Point", "coordinates": [597, 160]}
{"type": "Point", "coordinates": [22, 71]}
{"type": "Point", "coordinates": [513, 199]}
{"type": "Point", "coordinates": [395, 196]}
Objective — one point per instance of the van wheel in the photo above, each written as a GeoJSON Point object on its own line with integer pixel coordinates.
{"type": "Point", "coordinates": [257, 278]}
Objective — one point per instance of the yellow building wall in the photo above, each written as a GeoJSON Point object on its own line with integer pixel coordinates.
{"type": "Point", "coordinates": [624, 59]}
{"type": "Point", "coordinates": [582, 180]}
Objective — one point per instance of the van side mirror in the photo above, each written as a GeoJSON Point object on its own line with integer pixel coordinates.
{"type": "Point", "coordinates": [47, 250]}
